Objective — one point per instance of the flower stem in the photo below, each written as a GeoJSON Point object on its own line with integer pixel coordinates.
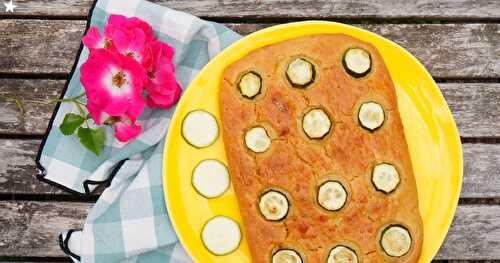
{"type": "Point", "coordinates": [70, 99]}
{"type": "Point", "coordinates": [19, 103]}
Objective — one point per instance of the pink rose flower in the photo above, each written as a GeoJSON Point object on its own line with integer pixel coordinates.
{"type": "Point", "coordinates": [162, 87]}
{"type": "Point", "coordinates": [94, 40]}
{"type": "Point", "coordinates": [113, 84]}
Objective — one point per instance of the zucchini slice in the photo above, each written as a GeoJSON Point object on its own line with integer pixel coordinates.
{"type": "Point", "coordinates": [286, 256]}
{"type": "Point", "coordinates": [250, 85]}
{"type": "Point", "coordinates": [342, 254]}
{"type": "Point", "coordinates": [316, 123]}
{"type": "Point", "coordinates": [371, 115]}
{"type": "Point", "coordinates": [300, 73]}
{"type": "Point", "coordinates": [257, 140]}
{"type": "Point", "coordinates": [210, 178]}
{"type": "Point", "coordinates": [200, 128]}
{"type": "Point", "coordinates": [385, 177]}
{"type": "Point", "coordinates": [357, 62]}
{"type": "Point", "coordinates": [273, 205]}
{"type": "Point", "coordinates": [221, 235]}
{"type": "Point", "coordinates": [332, 195]}
{"type": "Point", "coordinates": [395, 241]}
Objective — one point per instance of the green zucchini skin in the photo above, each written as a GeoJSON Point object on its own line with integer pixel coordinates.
{"type": "Point", "coordinates": [187, 141]}
{"type": "Point", "coordinates": [260, 88]}
{"type": "Point", "coordinates": [303, 86]}
{"type": "Point", "coordinates": [366, 128]}
{"type": "Point", "coordinates": [300, 256]}
{"type": "Point", "coordinates": [287, 201]}
{"type": "Point", "coordinates": [329, 118]}
{"type": "Point", "coordinates": [349, 248]}
{"type": "Point", "coordinates": [387, 228]}
{"type": "Point", "coordinates": [192, 184]}
{"type": "Point", "coordinates": [375, 186]}
{"type": "Point", "coordinates": [317, 196]}
{"type": "Point", "coordinates": [352, 73]}
{"type": "Point", "coordinates": [224, 254]}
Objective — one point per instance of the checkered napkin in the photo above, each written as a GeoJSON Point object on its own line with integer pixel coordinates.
{"type": "Point", "coordinates": [129, 222]}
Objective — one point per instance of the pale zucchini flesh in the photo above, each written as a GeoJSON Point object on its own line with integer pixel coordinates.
{"type": "Point", "coordinates": [300, 73]}
{"type": "Point", "coordinates": [257, 139]}
{"type": "Point", "coordinates": [342, 254]}
{"type": "Point", "coordinates": [200, 128]}
{"type": "Point", "coordinates": [210, 178]}
{"type": "Point", "coordinates": [371, 115]}
{"type": "Point", "coordinates": [273, 205]}
{"type": "Point", "coordinates": [395, 241]}
{"type": "Point", "coordinates": [316, 123]}
{"type": "Point", "coordinates": [357, 62]}
{"type": "Point", "coordinates": [332, 195]}
{"type": "Point", "coordinates": [385, 177]}
{"type": "Point", "coordinates": [286, 256]}
{"type": "Point", "coordinates": [221, 235]}
{"type": "Point", "coordinates": [250, 85]}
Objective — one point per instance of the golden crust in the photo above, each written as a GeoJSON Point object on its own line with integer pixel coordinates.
{"type": "Point", "coordinates": [298, 165]}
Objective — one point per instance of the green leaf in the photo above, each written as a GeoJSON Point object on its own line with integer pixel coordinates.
{"type": "Point", "coordinates": [92, 139]}
{"type": "Point", "coordinates": [70, 123]}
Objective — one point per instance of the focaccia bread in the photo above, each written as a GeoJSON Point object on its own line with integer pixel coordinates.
{"type": "Point", "coordinates": [317, 153]}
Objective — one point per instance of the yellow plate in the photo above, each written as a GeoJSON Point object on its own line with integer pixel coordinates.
{"type": "Point", "coordinates": [432, 136]}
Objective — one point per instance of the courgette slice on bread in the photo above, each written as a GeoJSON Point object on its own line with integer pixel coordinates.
{"type": "Point", "coordinates": [250, 85]}
{"type": "Point", "coordinates": [342, 254]}
{"type": "Point", "coordinates": [200, 128]}
{"type": "Point", "coordinates": [371, 115]}
{"type": "Point", "coordinates": [332, 195]}
{"type": "Point", "coordinates": [385, 177]}
{"type": "Point", "coordinates": [286, 256]}
{"type": "Point", "coordinates": [316, 123]}
{"type": "Point", "coordinates": [210, 178]}
{"type": "Point", "coordinates": [300, 73]}
{"type": "Point", "coordinates": [395, 241]}
{"type": "Point", "coordinates": [257, 140]}
{"type": "Point", "coordinates": [357, 62]}
{"type": "Point", "coordinates": [273, 205]}
{"type": "Point", "coordinates": [221, 235]}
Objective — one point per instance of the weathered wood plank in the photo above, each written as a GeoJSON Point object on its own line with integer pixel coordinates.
{"type": "Point", "coordinates": [31, 229]}
{"type": "Point", "coordinates": [17, 169]}
{"type": "Point", "coordinates": [338, 9]}
{"type": "Point", "coordinates": [451, 50]}
{"type": "Point", "coordinates": [474, 105]}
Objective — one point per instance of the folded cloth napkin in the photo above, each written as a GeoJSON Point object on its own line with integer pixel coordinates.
{"type": "Point", "coordinates": [129, 222]}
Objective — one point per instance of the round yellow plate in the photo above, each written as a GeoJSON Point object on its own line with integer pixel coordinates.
{"type": "Point", "coordinates": [429, 127]}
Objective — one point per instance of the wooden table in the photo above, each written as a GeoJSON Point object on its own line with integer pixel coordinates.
{"type": "Point", "coordinates": [457, 40]}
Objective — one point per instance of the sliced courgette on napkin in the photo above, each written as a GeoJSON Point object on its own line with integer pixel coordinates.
{"type": "Point", "coordinates": [316, 123]}
{"type": "Point", "coordinates": [273, 205]}
{"type": "Point", "coordinates": [210, 178]}
{"type": "Point", "coordinates": [395, 241]}
{"type": "Point", "coordinates": [200, 129]}
{"type": "Point", "coordinates": [332, 195]}
{"type": "Point", "coordinates": [250, 85]}
{"type": "Point", "coordinates": [371, 115]}
{"type": "Point", "coordinates": [300, 73]}
{"type": "Point", "coordinates": [385, 177]}
{"type": "Point", "coordinates": [286, 256]}
{"type": "Point", "coordinates": [357, 62]}
{"type": "Point", "coordinates": [257, 140]}
{"type": "Point", "coordinates": [221, 235]}
{"type": "Point", "coordinates": [342, 254]}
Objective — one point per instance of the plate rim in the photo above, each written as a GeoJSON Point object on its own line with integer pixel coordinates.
{"type": "Point", "coordinates": [214, 60]}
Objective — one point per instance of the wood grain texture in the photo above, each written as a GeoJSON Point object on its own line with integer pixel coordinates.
{"type": "Point", "coordinates": [474, 105]}
{"type": "Point", "coordinates": [17, 169]}
{"type": "Point", "coordinates": [30, 229]}
{"type": "Point", "coordinates": [338, 9]}
{"type": "Point", "coordinates": [451, 50]}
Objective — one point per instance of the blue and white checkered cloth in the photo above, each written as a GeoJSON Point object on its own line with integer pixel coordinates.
{"type": "Point", "coordinates": [129, 222]}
